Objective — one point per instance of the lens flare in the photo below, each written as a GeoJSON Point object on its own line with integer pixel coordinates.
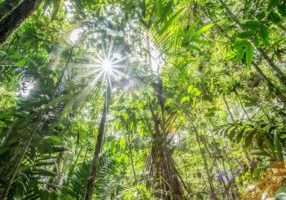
{"type": "Point", "coordinates": [107, 66]}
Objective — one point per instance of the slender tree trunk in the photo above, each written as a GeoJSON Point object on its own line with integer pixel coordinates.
{"type": "Point", "coordinates": [229, 190]}
{"type": "Point", "coordinates": [131, 156]}
{"type": "Point", "coordinates": [241, 104]}
{"type": "Point", "coordinates": [277, 71]}
{"type": "Point", "coordinates": [228, 109]}
{"type": "Point", "coordinates": [98, 147]}
{"type": "Point", "coordinates": [227, 193]}
{"type": "Point", "coordinates": [212, 194]}
{"type": "Point", "coordinates": [210, 180]}
{"type": "Point", "coordinates": [15, 17]}
{"type": "Point", "coordinates": [276, 91]}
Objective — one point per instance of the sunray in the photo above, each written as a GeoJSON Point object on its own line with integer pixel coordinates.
{"type": "Point", "coordinates": [91, 85]}
{"type": "Point", "coordinates": [118, 66]}
{"type": "Point", "coordinates": [109, 80]}
{"type": "Point", "coordinates": [116, 72]}
{"type": "Point", "coordinates": [76, 65]}
{"type": "Point", "coordinates": [120, 60]}
{"type": "Point", "coordinates": [98, 60]}
{"type": "Point", "coordinates": [110, 50]}
{"type": "Point", "coordinates": [104, 66]}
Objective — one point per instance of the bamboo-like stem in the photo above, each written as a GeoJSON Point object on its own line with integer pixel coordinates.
{"type": "Point", "coordinates": [131, 157]}
{"type": "Point", "coordinates": [98, 147]}
{"type": "Point", "coordinates": [228, 109]}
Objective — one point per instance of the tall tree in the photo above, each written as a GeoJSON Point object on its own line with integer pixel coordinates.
{"type": "Point", "coordinates": [98, 148]}
{"type": "Point", "coordinates": [15, 16]}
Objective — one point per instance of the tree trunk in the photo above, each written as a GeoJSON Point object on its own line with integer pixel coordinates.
{"type": "Point", "coordinates": [131, 155]}
{"type": "Point", "coordinates": [228, 109]}
{"type": "Point", "coordinates": [12, 20]}
{"type": "Point", "coordinates": [212, 192]}
{"type": "Point", "coordinates": [164, 174]}
{"type": "Point", "coordinates": [165, 178]}
{"type": "Point", "coordinates": [98, 147]}
{"type": "Point", "coordinates": [203, 156]}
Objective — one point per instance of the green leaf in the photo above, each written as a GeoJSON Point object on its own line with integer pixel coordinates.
{"type": "Point", "coordinates": [282, 9]}
{"type": "Point", "coordinates": [56, 7]}
{"type": "Point", "coordinates": [248, 140]}
{"type": "Point", "coordinates": [278, 147]}
{"type": "Point", "coordinates": [238, 136]}
{"type": "Point", "coordinates": [272, 4]}
{"type": "Point", "coordinates": [259, 152]}
{"type": "Point", "coordinates": [39, 164]}
{"type": "Point", "coordinates": [170, 21]}
{"type": "Point", "coordinates": [6, 115]}
{"type": "Point", "coordinates": [264, 34]}
{"type": "Point", "coordinates": [59, 149]}
{"type": "Point", "coordinates": [248, 54]}
{"type": "Point", "coordinates": [203, 30]}
{"type": "Point", "coordinates": [185, 99]}
{"type": "Point", "coordinates": [43, 172]}
{"type": "Point", "coordinates": [245, 34]}
{"type": "Point", "coordinates": [122, 143]}
{"type": "Point", "coordinates": [3, 124]}
{"type": "Point", "coordinates": [193, 47]}
{"type": "Point", "coordinates": [243, 48]}
{"type": "Point", "coordinates": [274, 17]}
{"type": "Point", "coordinates": [231, 131]}
{"type": "Point", "coordinates": [22, 62]}
{"type": "Point", "coordinates": [53, 139]}
{"type": "Point", "coordinates": [252, 25]}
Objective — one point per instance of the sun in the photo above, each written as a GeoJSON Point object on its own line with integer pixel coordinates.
{"type": "Point", "coordinates": [107, 66]}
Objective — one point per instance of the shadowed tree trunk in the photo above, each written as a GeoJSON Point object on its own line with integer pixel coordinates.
{"type": "Point", "coordinates": [98, 147]}
{"type": "Point", "coordinates": [15, 16]}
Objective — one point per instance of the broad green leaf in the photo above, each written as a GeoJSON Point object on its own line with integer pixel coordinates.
{"type": "Point", "coordinates": [264, 33]}
{"type": "Point", "coordinates": [22, 62]}
{"type": "Point", "coordinates": [203, 30]}
{"type": "Point", "coordinates": [3, 124]}
{"type": "Point", "coordinates": [53, 139]}
{"type": "Point", "coordinates": [248, 54]}
{"type": "Point", "coordinates": [185, 99]}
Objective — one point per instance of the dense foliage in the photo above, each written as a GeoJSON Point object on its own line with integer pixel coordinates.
{"type": "Point", "coordinates": [142, 99]}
